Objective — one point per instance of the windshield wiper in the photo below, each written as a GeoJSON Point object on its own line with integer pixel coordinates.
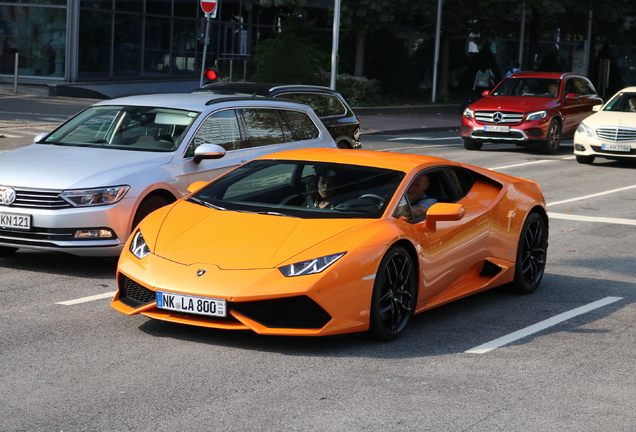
{"type": "Point", "coordinates": [272, 213]}
{"type": "Point", "coordinates": [206, 204]}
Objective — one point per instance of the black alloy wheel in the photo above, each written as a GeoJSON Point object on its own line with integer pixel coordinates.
{"type": "Point", "coordinates": [531, 254]}
{"type": "Point", "coordinates": [553, 138]}
{"type": "Point", "coordinates": [394, 294]}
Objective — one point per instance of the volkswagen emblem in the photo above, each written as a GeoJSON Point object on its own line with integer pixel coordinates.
{"type": "Point", "coordinates": [497, 117]}
{"type": "Point", "coordinates": [7, 196]}
{"type": "Point", "coordinates": [201, 272]}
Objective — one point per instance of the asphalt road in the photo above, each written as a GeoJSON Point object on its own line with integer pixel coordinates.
{"type": "Point", "coordinates": [69, 362]}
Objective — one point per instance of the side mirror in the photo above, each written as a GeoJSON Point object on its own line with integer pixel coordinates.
{"type": "Point", "coordinates": [196, 186]}
{"type": "Point", "coordinates": [443, 212]}
{"type": "Point", "coordinates": [571, 96]}
{"type": "Point", "coordinates": [208, 151]}
{"type": "Point", "coordinates": [596, 108]}
{"type": "Point", "coordinates": [39, 137]}
{"type": "Point", "coordinates": [485, 93]}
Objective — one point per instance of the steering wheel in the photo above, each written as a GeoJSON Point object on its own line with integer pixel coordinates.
{"type": "Point", "coordinates": [374, 197]}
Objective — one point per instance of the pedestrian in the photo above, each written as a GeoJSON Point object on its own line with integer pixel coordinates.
{"type": "Point", "coordinates": [484, 79]}
{"type": "Point", "coordinates": [515, 68]}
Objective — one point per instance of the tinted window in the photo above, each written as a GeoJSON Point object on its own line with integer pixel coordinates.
{"type": "Point", "coordinates": [525, 87]}
{"type": "Point", "coordinates": [263, 127]}
{"type": "Point", "coordinates": [302, 126]}
{"type": "Point", "coordinates": [220, 128]}
{"type": "Point", "coordinates": [621, 102]}
{"type": "Point", "coordinates": [334, 105]}
{"type": "Point", "coordinates": [312, 99]}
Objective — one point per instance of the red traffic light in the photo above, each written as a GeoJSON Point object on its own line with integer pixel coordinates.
{"type": "Point", "coordinates": [210, 75]}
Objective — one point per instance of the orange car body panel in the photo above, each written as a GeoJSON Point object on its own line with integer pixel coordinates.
{"type": "Point", "coordinates": [241, 252]}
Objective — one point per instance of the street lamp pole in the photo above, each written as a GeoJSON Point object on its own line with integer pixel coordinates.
{"type": "Point", "coordinates": [437, 43]}
{"type": "Point", "coordinates": [334, 48]}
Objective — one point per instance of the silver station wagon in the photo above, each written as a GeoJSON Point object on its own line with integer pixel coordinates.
{"type": "Point", "coordinates": [82, 188]}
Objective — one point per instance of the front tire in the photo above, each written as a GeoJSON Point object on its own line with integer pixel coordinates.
{"type": "Point", "coordinates": [6, 251]}
{"type": "Point", "coordinates": [531, 254]}
{"type": "Point", "coordinates": [394, 295]}
{"type": "Point", "coordinates": [587, 160]}
{"type": "Point", "coordinates": [147, 206]}
{"type": "Point", "coordinates": [553, 138]}
{"type": "Point", "coordinates": [471, 144]}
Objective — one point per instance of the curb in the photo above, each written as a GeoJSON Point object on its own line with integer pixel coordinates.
{"type": "Point", "coordinates": [413, 130]}
{"type": "Point", "coordinates": [407, 109]}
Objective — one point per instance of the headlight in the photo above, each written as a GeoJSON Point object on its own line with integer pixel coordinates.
{"type": "Point", "coordinates": [469, 113]}
{"type": "Point", "coordinates": [97, 196]}
{"type": "Point", "coordinates": [138, 246]}
{"type": "Point", "coordinates": [537, 115]}
{"type": "Point", "coordinates": [313, 266]}
{"type": "Point", "coordinates": [585, 129]}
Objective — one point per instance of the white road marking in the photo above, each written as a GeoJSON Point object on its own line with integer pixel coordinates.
{"type": "Point", "coordinates": [421, 139]}
{"type": "Point", "coordinates": [592, 195]}
{"type": "Point", "coordinates": [86, 299]}
{"type": "Point", "coordinates": [505, 340]}
{"type": "Point", "coordinates": [523, 164]}
{"type": "Point", "coordinates": [419, 147]}
{"type": "Point", "coordinates": [580, 218]}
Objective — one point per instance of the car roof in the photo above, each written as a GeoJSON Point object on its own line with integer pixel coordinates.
{"type": "Point", "coordinates": [548, 75]}
{"type": "Point", "coordinates": [388, 160]}
{"type": "Point", "coordinates": [260, 89]}
{"type": "Point", "coordinates": [198, 101]}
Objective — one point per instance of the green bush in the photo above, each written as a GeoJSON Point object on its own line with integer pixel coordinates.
{"type": "Point", "coordinates": [357, 91]}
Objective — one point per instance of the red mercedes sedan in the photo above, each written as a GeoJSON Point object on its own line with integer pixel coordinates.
{"type": "Point", "coordinates": [530, 108]}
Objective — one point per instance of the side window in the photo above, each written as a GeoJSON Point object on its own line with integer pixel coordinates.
{"type": "Point", "coordinates": [334, 105]}
{"type": "Point", "coordinates": [220, 128]}
{"type": "Point", "coordinates": [313, 100]}
{"type": "Point", "coordinates": [301, 125]}
{"type": "Point", "coordinates": [262, 126]}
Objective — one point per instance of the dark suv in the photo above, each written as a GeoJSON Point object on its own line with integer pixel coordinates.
{"type": "Point", "coordinates": [330, 106]}
{"type": "Point", "coordinates": [530, 108]}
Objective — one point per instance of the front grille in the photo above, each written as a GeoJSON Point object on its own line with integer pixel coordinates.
{"type": "Point", "coordinates": [133, 294]}
{"type": "Point", "coordinates": [291, 312]}
{"type": "Point", "coordinates": [39, 198]}
{"type": "Point", "coordinates": [498, 117]}
{"type": "Point", "coordinates": [616, 134]}
{"type": "Point", "coordinates": [44, 237]}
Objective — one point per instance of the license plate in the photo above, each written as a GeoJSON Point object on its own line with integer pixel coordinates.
{"type": "Point", "coordinates": [616, 147]}
{"type": "Point", "coordinates": [15, 221]}
{"type": "Point", "coordinates": [497, 128]}
{"type": "Point", "coordinates": [191, 304]}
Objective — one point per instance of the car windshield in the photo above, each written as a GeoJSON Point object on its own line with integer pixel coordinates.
{"type": "Point", "coordinates": [531, 87]}
{"type": "Point", "coordinates": [623, 102]}
{"type": "Point", "coordinates": [138, 128]}
{"type": "Point", "coordinates": [309, 190]}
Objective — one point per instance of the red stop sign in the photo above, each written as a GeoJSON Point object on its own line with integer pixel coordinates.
{"type": "Point", "coordinates": [208, 6]}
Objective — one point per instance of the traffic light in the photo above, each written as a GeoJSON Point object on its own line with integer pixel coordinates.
{"type": "Point", "coordinates": [210, 75]}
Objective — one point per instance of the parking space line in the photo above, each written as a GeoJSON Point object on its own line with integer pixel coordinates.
{"type": "Point", "coordinates": [86, 299]}
{"type": "Point", "coordinates": [592, 195]}
{"type": "Point", "coordinates": [505, 340]}
{"type": "Point", "coordinates": [523, 164]}
{"type": "Point", "coordinates": [421, 139]}
{"type": "Point", "coordinates": [580, 218]}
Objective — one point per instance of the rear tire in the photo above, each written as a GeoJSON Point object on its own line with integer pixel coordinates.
{"type": "Point", "coordinates": [394, 295]}
{"type": "Point", "coordinates": [344, 145]}
{"type": "Point", "coordinates": [471, 144]}
{"type": "Point", "coordinates": [587, 160]}
{"type": "Point", "coordinates": [147, 206]}
{"type": "Point", "coordinates": [531, 255]}
{"type": "Point", "coordinates": [553, 139]}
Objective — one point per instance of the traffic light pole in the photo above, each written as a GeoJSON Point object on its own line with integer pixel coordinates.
{"type": "Point", "coordinates": [205, 47]}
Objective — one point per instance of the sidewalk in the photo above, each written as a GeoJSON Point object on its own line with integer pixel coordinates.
{"type": "Point", "coordinates": [373, 120]}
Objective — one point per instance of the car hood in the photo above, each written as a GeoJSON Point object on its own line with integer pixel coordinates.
{"type": "Point", "coordinates": [191, 233]}
{"type": "Point", "coordinates": [61, 167]}
{"type": "Point", "coordinates": [514, 103]}
{"type": "Point", "coordinates": [611, 118]}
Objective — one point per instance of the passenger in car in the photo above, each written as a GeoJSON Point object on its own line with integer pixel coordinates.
{"type": "Point", "coordinates": [416, 194]}
{"type": "Point", "coordinates": [323, 193]}
{"type": "Point", "coordinates": [632, 105]}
